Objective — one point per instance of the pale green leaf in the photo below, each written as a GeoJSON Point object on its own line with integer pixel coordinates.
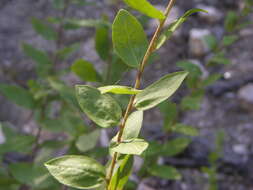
{"type": "Point", "coordinates": [45, 30]}
{"type": "Point", "coordinates": [134, 146]}
{"type": "Point", "coordinates": [117, 89]}
{"type": "Point", "coordinates": [175, 146]}
{"type": "Point", "coordinates": [65, 52]}
{"type": "Point", "coordinates": [146, 8]}
{"type": "Point", "coordinates": [159, 91]}
{"type": "Point", "coordinates": [87, 141]}
{"type": "Point", "coordinates": [166, 35]}
{"type": "Point", "coordinates": [77, 171]}
{"type": "Point", "coordinates": [18, 95]}
{"type": "Point", "coordinates": [185, 129]}
{"type": "Point", "coordinates": [44, 64]}
{"type": "Point", "coordinates": [86, 71]}
{"type": "Point", "coordinates": [229, 40]}
{"type": "Point", "coordinates": [122, 174]}
{"type": "Point", "coordinates": [100, 108]}
{"type": "Point", "coordinates": [129, 39]}
{"type": "Point", "coordinates": [72, 24]}
{"type": "Point", "coordinates": [165, 172]}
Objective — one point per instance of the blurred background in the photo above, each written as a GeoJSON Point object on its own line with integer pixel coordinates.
{"type": "Point", "coordinates": [216, 99]}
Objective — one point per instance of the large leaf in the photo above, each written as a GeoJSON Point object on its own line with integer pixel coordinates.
{"type": "Point", "coordinates": [175, 146]}
{"type": "Point", "coordinates": [165, 172]}
{"type": "Point", "coordinates": [166, 35]}
{"type": "Point", "coordinates": [117, 89]}
{"type": "Point", "coordinates": [18, 95]}
{"type": "Point", "coordinates": [44, 29]}
{"type": "Point", "coordinates": [133, 146]}
{"type": "Point", "coordinates": [159, 91]}
{"type": "Point", "coordinates": [77, 171]}
{"type": "Point", "coordinates": [85, 70]}
{"type": "Point", "coordinates": [122, 174]}
{"type": "Point", "coordinates": [100, 108]}
{"type": "Point", "coordinates": [146, 8]}
{"type": "Point", "coordinates": [87, 141]}
{"type": "Point", "coordinates": [44, 63]}
{"type": "Point", "coordinates": [129, 39]}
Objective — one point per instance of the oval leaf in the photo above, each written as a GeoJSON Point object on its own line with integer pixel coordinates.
{"type": "Point", "coordinates": [146, 8]}
{"type": "Point", "coordinates": [175, 146]}
{"type": "Point", "coordinates": [77, 171]}
{"type": "Point", "coordinates": [129, 39]}
{"type": "Point", "coordinates": [159, 91]}
{"type": "Point", "coordinates": [117, 89]}
{"type": "Point", "coordinates": [185, 129]}
{"type": "Point", "coordinates": [134, 146]}
{"type": "Point", "coordinates": [87, 141]}
{"type": "Point", "coordinates": [166, 172]}
{"type": "Point", "coordinates": [100, 108]}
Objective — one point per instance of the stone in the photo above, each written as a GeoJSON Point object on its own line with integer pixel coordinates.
{"type": "Point", "coordinates": [197, 45]}
{"type": "Point", "coordinates": [245, 96]}
{"type": "Point", "coordinates": [214, 15]}
{"type": "Point", "coordinates": [240, 149]}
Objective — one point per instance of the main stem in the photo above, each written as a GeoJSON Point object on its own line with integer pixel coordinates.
{"type": "Point", "coordinates": [149, 51]}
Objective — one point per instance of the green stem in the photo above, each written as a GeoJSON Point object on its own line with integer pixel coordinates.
{"type": "Point", "coordinates": [149, 51]}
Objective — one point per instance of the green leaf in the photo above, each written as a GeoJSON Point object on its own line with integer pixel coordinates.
{"type": "Point", "coordinates": [211, 41]}
{"type": "Point", "coordinates": [77, 171]}
{"type": "Point", "coordinates": [133, 125]}
{"type": "Point", "coordinates": [146, 8]}
{"type": "Point", "coordinates": [210, 79]}
{"type": "Point", "coordinates": [166, 35]}
{"type": "Point", "coordinates": [159, 91]}
{"type": "Point", "coordinates": [117, 89]}
{"type": "Point", "coordinates": [185, 129]}
{"type": "Point", "coordinates": [18, 95]}
{"type": "Point", "coordinates": [86, 71]}
{"type": "Point", "coordinates": [229, 40]}
{"type": "Point", "coordinates": [87, 141]}
{"type": "Point", "coordinates": [129, 39]}
{"type": "Point", "coordinates": [43, 29]}
{"type": "Point", "coordinates": [192, 102]}
{"type": "Point", "coordinates": [72, 24]}
{"type": "Point", "coordinates": [231, 21]}
{"type": "Point", "coordinates": [100, 108]}
{"type": "Point", "coordinates": [122, 174]}
{"type": "Point", "coordinates": [219, 59]}
{"type": "Point", "coordinates": [58, 4]}
{"type": "Point", "coordinates": [31, 175]}
{"type": "Point", "coordinates": [44, 64]}
{"type": "Point", "coordinates": [165, 172]}
{"type": "Point", "coordinates": [102, 42]}
{"type": "Point", "coordinates": [192, 68]}
{"type": "Point", "coordinates": [133, 146]}
{"type": "Point", "coordinates": [175, 146]}
{"type": "Point", "coordinates": [18, 143]}
{"type": "Point", "coordinates": [65, 52]}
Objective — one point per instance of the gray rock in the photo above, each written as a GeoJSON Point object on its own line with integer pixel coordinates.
{"type": "Point", "coordinates": [197, 45]}
{"type": "Point", "coordinates": [245, 96]}
{"type": "Point", "coordinates": [213, 15]}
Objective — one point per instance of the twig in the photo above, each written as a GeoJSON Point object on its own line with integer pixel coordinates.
{"type": "Point", "coordinates": [149, 51]}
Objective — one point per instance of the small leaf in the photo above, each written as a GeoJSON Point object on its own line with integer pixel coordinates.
{"type": "Point", "coordinates": [100, 108]}
{"type": "Point", "coordinates": [44, 64]}
{"type": "Point", "coordinates": [117, 89]}
{"type": "Point", "coordinates": [175, 146]}
{"type": "Point", "coordinates": [231, 21]}
{"type": "Point", "coordinates": [170, 114]}
{"type": "Point", "coordinates": [102, 42]}
{"type": "Point", "coordinates": [210, 80]}
{"type": "Point", "coordinates": [220, 59]}
{"type": "Point", "coordinates": [229, 40]}
{"type": "Point", "coordinates": [65, 52]}
{"type": "Point", "coordinates": [134, 146]}
{"type": "Point", "coordinates": [58, 4]}
{"type": "Point", "coordinates": [166, 35]}
{"type": "Point", "coordinates": [77, 171]}
{"type": "Point", "coordinates": [146, 8]}
{"type": "Point", "coordinates": [185, 129]}
{"type": "Point", "coordinates": [211, 41]}
{"type": "Point", "coordinates": [159, 91]}
{"type": "Point", "coordinates": [86, 71]}
{"type": "Point", "coordinates": [193, 101]}
{"type": "Point", "coordinates": [122, 174]}
{"type": "Point", "coordinates": [87, 141]}
{"type": "Point", "coordinates": [129, 39]}
{"type": "Point", "coordinates": [18, 95]}
{"type": "Point", "coordinates": [165, 172]}
{"type": "Point", "coordinates": [193, 69]}
{"type": "Point", "coordinates": [72, 24]}
{"type": "Point", "coordinates": [133, 125]}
